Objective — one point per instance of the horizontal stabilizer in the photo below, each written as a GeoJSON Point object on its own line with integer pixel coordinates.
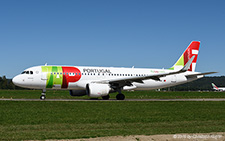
{"type": "Point", "coordinates": [199, 74]}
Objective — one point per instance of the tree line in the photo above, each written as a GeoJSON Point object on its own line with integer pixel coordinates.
{"type": "Point", "coordinates": [6, 83]}
{"type": "Point", "coordinates": [203, 84]}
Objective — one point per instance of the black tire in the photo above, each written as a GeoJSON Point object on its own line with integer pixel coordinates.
{"type": "Point", "coordinates": [120, 97]}
{"type": "Point", "coordinates": [106, 97]}
{"type": "Point", "coordinates": [42, 97]}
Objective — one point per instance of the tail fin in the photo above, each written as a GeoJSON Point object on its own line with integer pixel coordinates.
{"type": "Point", "coordinates": [214, 86]}
{"type": "Point", "coordinates": [192, 50]}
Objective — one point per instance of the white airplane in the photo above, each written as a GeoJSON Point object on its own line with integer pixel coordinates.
{"type": "Point", "coordinates": [218, 88]}
{"type": "Point", "coordinates": [100, 81]}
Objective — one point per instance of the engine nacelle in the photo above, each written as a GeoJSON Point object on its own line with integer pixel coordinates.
{"type": "Point", "coordinates": [78, 92]}
{"type": "Point", "coordinates": [97, 90]}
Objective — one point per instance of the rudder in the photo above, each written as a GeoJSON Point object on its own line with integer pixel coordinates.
{"type": "Point", "coordinates": [192, 50]}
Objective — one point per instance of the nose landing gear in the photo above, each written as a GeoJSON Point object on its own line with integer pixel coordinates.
{"type": "Point", "coordinates": [43, 95]}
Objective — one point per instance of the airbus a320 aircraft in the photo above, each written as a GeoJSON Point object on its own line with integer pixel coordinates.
{"type": "Point", "coordinates": [218, 88]}
{"type": "Point", "coordinates": [100, 81]}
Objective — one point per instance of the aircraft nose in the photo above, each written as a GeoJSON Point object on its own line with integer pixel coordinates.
{"type": "Point", "coordinates": [16, 80]}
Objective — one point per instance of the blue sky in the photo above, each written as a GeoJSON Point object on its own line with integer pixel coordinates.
{"type": "Point", "coordinates": [118, 33]}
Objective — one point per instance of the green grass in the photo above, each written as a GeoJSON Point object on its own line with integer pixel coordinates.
{"type": "Point", "coordinates": [41, 120]}
{"type": "Point", "coordinates": [35, 94]}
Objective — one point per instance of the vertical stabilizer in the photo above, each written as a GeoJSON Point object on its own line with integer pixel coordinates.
{"type": "Point", "coordinates": [192, 50]}
{"type": "Point", "coordinates": [215, 87]}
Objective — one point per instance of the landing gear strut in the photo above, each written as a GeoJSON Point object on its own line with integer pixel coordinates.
{"type": "Point", "coordinates": [120, 96]}
{"type": "Point", "coordinates": [43, 95]}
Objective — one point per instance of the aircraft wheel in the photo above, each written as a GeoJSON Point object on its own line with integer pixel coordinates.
{"type": "Point", "coordinates": [42, 97]}
{"type": "Point", "coordinates": [120, 97]}
{"type": "Point", "coordinates": [106, 97]}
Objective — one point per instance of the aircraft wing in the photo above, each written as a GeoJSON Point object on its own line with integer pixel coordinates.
{"type": "Point", "coordinates": [128, 80]}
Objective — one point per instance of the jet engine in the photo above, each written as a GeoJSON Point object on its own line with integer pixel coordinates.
{"type": "Point", "coordinates": [97, 90]}
{"type": "Point", "coordinates": [77, 92]}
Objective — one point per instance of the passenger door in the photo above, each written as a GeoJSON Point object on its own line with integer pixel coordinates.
{"type": "Point", "coordinates": [44, 76]}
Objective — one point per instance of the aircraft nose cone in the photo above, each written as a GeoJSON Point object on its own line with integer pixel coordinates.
{"type": "Point", "coordinates": [16, 80]}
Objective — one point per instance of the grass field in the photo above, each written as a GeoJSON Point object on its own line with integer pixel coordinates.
{"type": "Point", "coordinates": [39, 120]}
{"type": "Point", "coordinates": [69, 120]}
{"type": "Point", "coordinates": [35, 94]}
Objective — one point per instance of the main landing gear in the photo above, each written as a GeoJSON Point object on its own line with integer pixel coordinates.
{"type": "Point", "coordinates": [43, 95]}
{"type": "Point", "coordinates": [120, 96]}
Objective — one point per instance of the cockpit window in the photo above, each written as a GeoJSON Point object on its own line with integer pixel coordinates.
{"type": "Point", "coordinates": [27, 72]}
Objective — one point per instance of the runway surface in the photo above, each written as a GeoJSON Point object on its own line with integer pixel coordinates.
{"type": "Point", "coordinates": [207, 99]}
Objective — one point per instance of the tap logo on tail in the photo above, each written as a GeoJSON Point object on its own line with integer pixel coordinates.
{"type": "Point", "coordinates": [192, 50]}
